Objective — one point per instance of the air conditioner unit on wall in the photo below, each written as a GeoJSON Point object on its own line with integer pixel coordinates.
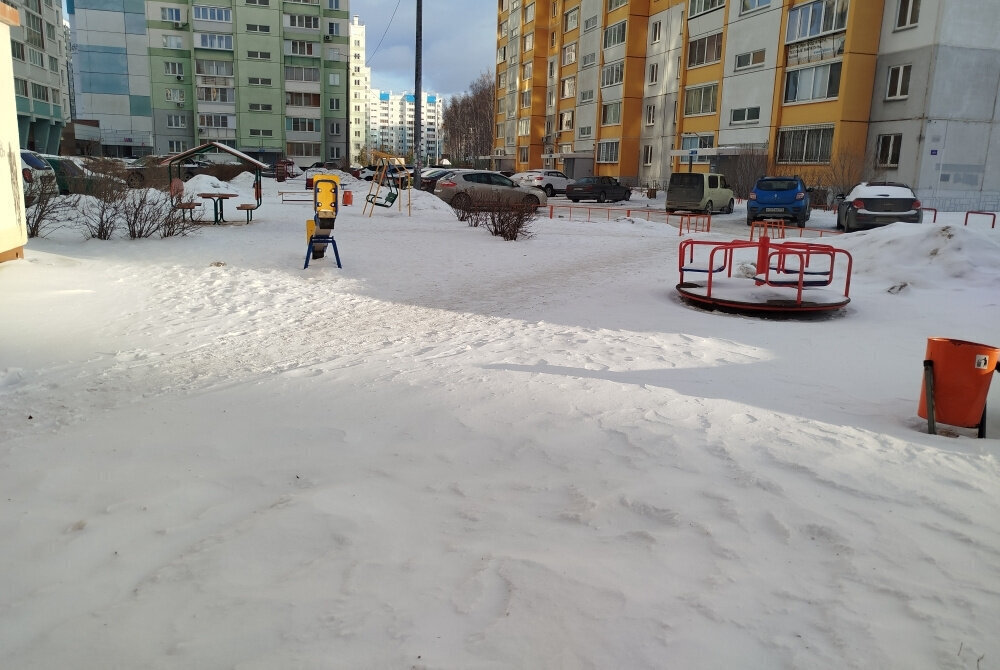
{"type": "Point", "coordinates": [326, 38]}
{"type": "Point", "coordinates": [180, 77]}
{"type": "Point", "coordinates": [180, 104]}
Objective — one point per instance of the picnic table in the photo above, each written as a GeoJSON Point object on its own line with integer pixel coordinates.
{"type": "Point", "coordinates": [217, 201]}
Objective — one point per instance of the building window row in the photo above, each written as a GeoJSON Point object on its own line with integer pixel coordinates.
{"type": "Point", "coordinates": [705, 50]}
{"type": "Point", "coordinates": [816, 18]}
{"type": "Point", "coordinates": [805, 145]}
{"type": "Point", "coordinates": [702, 6]}
{"type": "Point", "coordinates": [813, 83]}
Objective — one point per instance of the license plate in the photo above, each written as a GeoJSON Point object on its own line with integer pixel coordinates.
{"type": "Point", "coordinates": [776, 210]}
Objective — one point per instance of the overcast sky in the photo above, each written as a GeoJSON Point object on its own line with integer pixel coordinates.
{"type": "Point", "coordinates": [459, 42]}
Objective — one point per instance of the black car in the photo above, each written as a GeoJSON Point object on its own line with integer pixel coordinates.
{"type": "Point", "coordinates": [601, 189]}
{"type": "Point", "coordinates": [877, 203]}
{"type": "Point", "coordinates": [429, 179]}
{"type": "Point", "coordinates": [152, 168]}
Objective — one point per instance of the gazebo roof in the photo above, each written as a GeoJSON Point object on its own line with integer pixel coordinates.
{"type": "Point", "coordinates": [208, 146]}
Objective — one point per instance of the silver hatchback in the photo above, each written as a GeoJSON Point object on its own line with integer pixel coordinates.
{"type": "Point", "coordinates": [476, 188]}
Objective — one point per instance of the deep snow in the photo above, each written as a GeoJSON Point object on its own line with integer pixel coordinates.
{"type": "Point", "coordinates": [459, 452]}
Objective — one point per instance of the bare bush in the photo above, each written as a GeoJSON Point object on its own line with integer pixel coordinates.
{"type": "Point", "coordinates": [46, 209]}
{"type": "Point", "coordinates": [743, 169]}
{"type": "Point", "coordinates": [504, 219]}
{"type": "Point", "coordinates": [144, 211]}
{"type": "Point", "coordinates": [175, 223]}
{"type": "Point", "coordinates": [102, 214]}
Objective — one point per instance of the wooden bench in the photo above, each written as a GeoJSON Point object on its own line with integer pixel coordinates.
{"type": "Point", "coordinates": [176, 193]}
{"type": "Point", "coordinates": [249, 207]}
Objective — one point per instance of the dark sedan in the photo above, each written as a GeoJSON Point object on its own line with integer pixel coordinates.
{"type": "Point", "coordinates": [429, 179]}
{"type": "Point", "coordinates": [877, 204]}
{"type": "Point", "coordinates": [601, 189]}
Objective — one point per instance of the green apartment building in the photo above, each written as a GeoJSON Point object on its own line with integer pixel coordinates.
{"type": "Point", "coordinates": [266, 77]}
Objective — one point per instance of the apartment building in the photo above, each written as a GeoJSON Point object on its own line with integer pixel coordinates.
{"type": "Point", "coordinates": [898, 89]}
{"type": "Point", "coordinates": [40, 56]}
{"type": "Point", "coordinates": [262, 77]}
{"type": "Point", "coordinates": [361, 83]}
{"type": "Point", "coordinates": [391, 124]}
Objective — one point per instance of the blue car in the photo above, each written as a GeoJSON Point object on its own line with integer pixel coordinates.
{"type": "Point", "coordinates": [779, 198]}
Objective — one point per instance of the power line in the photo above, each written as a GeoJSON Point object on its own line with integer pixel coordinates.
{"type": "Point", "coordinates": [388, 25]}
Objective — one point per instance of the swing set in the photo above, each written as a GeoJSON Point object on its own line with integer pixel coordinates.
{"type": "Point", "coordinates": [390, 173]}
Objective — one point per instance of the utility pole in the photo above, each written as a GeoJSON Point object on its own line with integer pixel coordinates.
{"type": "Point", "coordinates": [418, 94]}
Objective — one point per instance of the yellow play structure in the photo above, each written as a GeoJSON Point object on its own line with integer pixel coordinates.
{"type": "Point", "coordinates": [389, 171]}
{"type": "Point", "coordinates": [319, 229]}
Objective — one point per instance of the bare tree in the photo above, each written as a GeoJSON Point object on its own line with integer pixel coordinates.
{"type": "Point", "coordinates": [102, 214]}
{"type": "Point", "coordinates": [743, 169]}
{"type": "Point", "coordinates": [47, 209]}
{"type": "Point", "coordinates": [468, 121]}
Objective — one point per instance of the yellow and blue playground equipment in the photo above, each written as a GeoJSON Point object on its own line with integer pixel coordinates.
{"type": "Point", "coordinates": [319, 229]}
{"type": "Point", "coordinates": [391, 173]}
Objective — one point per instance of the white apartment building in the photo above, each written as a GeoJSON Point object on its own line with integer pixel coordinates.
{"type": "Point", "coordinates": [360, 87]}
{"type": "Point", "coordinates": [391, 124]}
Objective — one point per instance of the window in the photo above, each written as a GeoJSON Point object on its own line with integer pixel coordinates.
{"type": "Point", "coordinates": [529, 13]}
{"type": "Point", "coordinates": [529, 41]}
{"type": "Point", "coordinates": [526, 98]}
{"type": "Point", "coordinates": [334, 78]}
{"type": "Point", "coordinates": [261, 132]}
{"type": "Point", "coordinates": [216, 94]}
{"type": "Point", "coordinates": [805, 145]}
{"type": "Point", "coordinates": [526, 76]}
{"type": "Point", "coordinates": [170, 14]}
{"type": "Point", "coordinates": [302, 125]}
{"type": "Point", "coordinates": [613, 74]}
{"type": "Point", "coordinates": [705, 50]}
{"type": "Point", "coordinates": [571, 20]}
{"type": "Point", "coordinates": [650, 115]}
{"type": "Point", "coordinates": [218, 68]}
{"type": "Point", "coordinates": [615, 4]}
{"type": "Point", "coordinates": [522, 154]}
{"type": "Point", "coordinates": [899, 82]}
{"type": "Point", "coordinates": [17, 50]}
{"type": "Point", "coordinates": [812, 83]}
{"type": "Point", "coordinates": [569, 54]}
{"type": "Point", "coordinates": [21, 87]}
{"type": "Point", "coordinates": [586, 131]}
{"type": "Point", "coordinates": [502, 79]}
{"type": "Point", "coordinates": [39, 92]}
{"type": "Point", "coordinates": [302, 148]}
{"type": "Point", "coordinates": [700, 100]}
{"type": "Point", "coordinates": [174, 95]}
{"type": "Point", "coordinates": [259, 55]}
{"type": "Point", "coordinates": [587, 96]}
{"type": "Point", "coordinates": [176, 121]}
{"type": "Point", "coordinates": [568, 87]}
{"type": "Point", "coordinates": [334, 104]}
{"type": "Point", "coordinates": [751, 5]}
{"type": "Point", "coordinates": [654, 73]}
{"type": "Point", "coordinates": [172, 68]}
{"type": "Point", "coordinates": [216, 121]}
{"type": "Point", "coordinates": [614, 35]}
{"type": "Point", "coordinates": [744, 115]}
{"type": "Point", "coordinates": [36, 57]}
{"type": "Point", "coordinates": [607, 151]}
{"type": "Point", "coordinates": [260, 3]}
{"type": "Point", "coordinates": [611, 114]}
{"type": "Point", "coordinates": [259, 81]}
{"type": "Point", "coordinates": [258, 28]}
{"type": "Point", "coordinates": [750, 59]}
{"type": "Point", "coordinates": [816, 18]}
{"type": "Point", "coordinates": [295, 73]}
{"type": "Point", "coordinates": [647, 154]}
{"type": "Point", "coordinates": [588, 60]}
{"type": "Point", "coordinates": [53, 63]}
{"type": "Point", "coordinates": [300, 48]}
{"type": "Point", "coordinates": [591, 23]}
{"type": "Point", "coordinates": [176, 146]}
{"type": "Point", "coordinates": [173, 42]}
{"type": "Point", "coordinates": [260, 107]}
{"type": "Point", "coordinates": [888, 150]}
{"type": "Point", "coordinates": [302, 21]}
{"type": "Point", "coordinates": [702, 6]}
{"type": "Point", "coordinates": [655, 32]}
{"type": "Point", "coordinates": [524, 127]}
{"type": "Point", "coordinates": [698, 142]}
{"type": "Point", "coordinates": [33, 30]}
{"type": "Point", "coordinates": [294, 99]}
{"type": "Point", "coordinates": [213, 14]}
{"type": "Point", "coordinates": [566, 120]}
{"type": "Point", "coordinates": [215, 41]}
{"type": "Point", "coordinates": [909, 13]}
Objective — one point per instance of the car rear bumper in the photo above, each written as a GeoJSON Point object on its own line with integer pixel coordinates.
{"type": "Point", "coordinates": [775, 211]}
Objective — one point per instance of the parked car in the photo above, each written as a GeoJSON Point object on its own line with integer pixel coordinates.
{"type": "Point", "coordinates": [37, 177]}
{"type": "Point", "coordinates": [70, 177]}
{"type": "Point", "coordinates": [149, 168]}
{"type": "Point", "coordinates": [699, 192]}
{"type": "Point", "coordinates": [601, 189]}
{"type": "Point", "coordinates": [428, 180]}
{"type": "Point", "coordinates": [550, 181]}
{"type": "Point", "coordinates": [398, 175]}
{"type": "Point", "coordinates": [877, 203]}
{"type": "Point", "coordinates": [779, 198]}
{"type": "Point", "coordinates": [466, 188]}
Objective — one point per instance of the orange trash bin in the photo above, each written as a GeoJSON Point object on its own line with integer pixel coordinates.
{"type": "Point", "coordinates": [348, 198]}
{"type": "Point", "coordinates": [962, 372]}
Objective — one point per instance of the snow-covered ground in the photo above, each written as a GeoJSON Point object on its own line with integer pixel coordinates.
{"type": "Point", "coordinates": [459, 452]}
